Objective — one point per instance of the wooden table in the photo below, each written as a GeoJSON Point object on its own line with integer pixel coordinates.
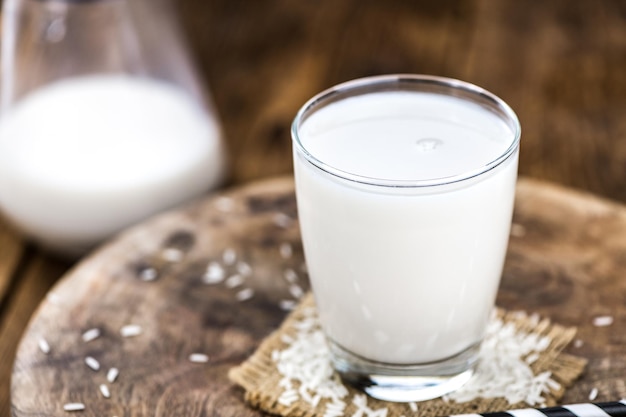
{"type": "Point", "coordinates": [559, 64]}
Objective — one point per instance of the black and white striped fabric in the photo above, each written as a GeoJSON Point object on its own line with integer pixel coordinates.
{"type": "Point", "coordinates": [610, 409]}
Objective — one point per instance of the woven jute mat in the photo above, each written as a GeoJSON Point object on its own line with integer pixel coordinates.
{"type": "Point", "coordinates": [267, 389]}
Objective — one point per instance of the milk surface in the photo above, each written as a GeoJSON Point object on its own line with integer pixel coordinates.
{"type": "Point", "coordinates": [83, 158]}
{"type": "Point", "coordinates": [405, 276]}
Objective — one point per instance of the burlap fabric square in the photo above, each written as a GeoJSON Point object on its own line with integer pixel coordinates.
{"type": "Point", "coordinates": [287, 392]}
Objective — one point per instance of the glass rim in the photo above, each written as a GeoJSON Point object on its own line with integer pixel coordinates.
{"type": "Point", "coordinates": [377, 83]}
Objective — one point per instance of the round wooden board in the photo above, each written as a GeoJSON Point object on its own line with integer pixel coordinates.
{"type": "Point", "coordinates": [566, 261]}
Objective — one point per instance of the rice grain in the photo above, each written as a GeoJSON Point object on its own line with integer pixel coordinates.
{"type": "Point", "coordinates": [603, 321]}
{"type": "Point", "coordinates": [198, 358]}
{"type": "Point", "coordinates": [112, 375]}
{"type": "Point", "coordinates": [229, 257]}
{"type": "Point", "coordinates": [214, 274]}
{"type": "Point", "coordinates": [92, 363]}
{"type": "Point", "coordinates": [43, 345]}
{"type": "Point", "coordinates": [104, 390]}
{"type": "Point", "coordinates": [91, 334]}
{"type": "Point", "coordinates": [244, 294]}
{"type": "Point", "coordinates": [131, 330]}
{"type": "Point", "coordinates": [74, 407]}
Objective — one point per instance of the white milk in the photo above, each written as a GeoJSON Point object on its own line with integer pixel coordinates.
{"type": "Point", "coordinates": [86, 157]}
{"type": "Point", "coordinates": [405, 276]}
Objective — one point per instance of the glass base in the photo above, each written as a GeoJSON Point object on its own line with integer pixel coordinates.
{"type": "Point", "coordinates": [404, 383]}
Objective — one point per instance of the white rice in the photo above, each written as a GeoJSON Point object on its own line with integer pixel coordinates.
{"type": "Point", "coordinates": [244, 294]}
{"type": "Point", "coordinates": [91, 334]}
{"type": "Point", "coordinates": [104, 390]}
{"type": "Point", "coordinates": [148, 274]}
{"type": "Point", "coordinates": [92, 363]}
{"type": "Point", "coordinates": [131, 330]}
{"type": "Point", "coordinates": [74, 407]}
{"type": "Point", "coordinates": [503, 370]}
{"type": "Point", "coordinates": [287, 305]}
{"type": "Point", "coordinates": [112, 375]}
{"type": "Point", "coordinates": [290, 275]}
{"type": "Point", "coordinates": [234, 281]}
{"type": "Point", "coordinates": [602, 321]}
{"type": "Point", "coordinates": [360, 401]}
{"type": "Point", "coordinates": [43, 345]}
{"type": "Point", "coordinates": [214, 274]}
{"type": "Point", "coordinates": [244, 268]}
{"type": "Point", "coordinates": [282, 220]}
{"type": "Point", "coordinates": [286, 251]}
{"type": "Point", "coordinates": [593, 394]}
{"type": "Point", "coordinates": [172, 255]}
{"type": "Point", "coordinates": [296, 291]}
{"type": "Point", "coordinates": [229, 257]}
{"type": "Point", "coordinates": [198, 358]}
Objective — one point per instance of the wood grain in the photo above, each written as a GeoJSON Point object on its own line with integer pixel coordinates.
{"type": "Point", "coordinates": [11, 249]}
{"type": "Point", "coordinates": [559, 64]}
{"type": "Point", "coordinates": [39, 274]}
{"type": "Point", "coordinates": [565, 262]}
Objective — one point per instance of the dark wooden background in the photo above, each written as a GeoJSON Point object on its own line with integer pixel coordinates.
{"type": "Point", "coordinates": [560, 64]}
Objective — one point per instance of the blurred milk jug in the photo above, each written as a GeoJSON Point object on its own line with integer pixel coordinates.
{"type": "Point", "coordinates": [103, 121]}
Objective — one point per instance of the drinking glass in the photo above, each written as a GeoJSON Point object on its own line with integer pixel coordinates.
{"type": "Point", "coordinates": [405, 187]}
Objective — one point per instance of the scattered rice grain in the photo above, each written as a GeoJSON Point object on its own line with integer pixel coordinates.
{"type": "Point", "coordinates": [172, 255]}
{"type": "Point", "coordinates": [43, 345]}
{"type": "Point", "coordinates": [234, 281]}
{"type": "Point", "coordinates": [214, 274]}
{"type": "Point", "coordinates": [290, 275]}
{"type": "Point", "coordinates": [131, 330]}
{"type": "Point", "coordinates": [593, 394]}
{"type": "Point", "coordinates": [74, 407]}
{"type": "Point", "coordinates": [244, 294]}
{"type": "Point", "coordinates": [603, 321]}
{"type": "Point", "coordinates": [198, 358]}
{"type": "Point", "coordinates": [578, 343]}
{"type": "Point", "coordinates": [92, 363]}
{"type": "Point", "coordinates": [287, 305]}
{"type": "Point", "coordinates": [91, 334]}
{"type": "Point", "coordinates": [413, 406]}
{"type": "Point", "coordinates": [296, 291]}
{"type": "Point", "coordinates": [286, 251]}
{"type": "Point", "coordinates": [229, 257]}
{"type": "Point", "coordinates": [104, 390]}
{"type": "Point", "coordinates": [148, 274]}
{"type": "Point", "coordinates": [112, 375]}
{"type": "Point", "coordinates": [244, 268]}
{"type": "Point", "coordinates": [282, 220]}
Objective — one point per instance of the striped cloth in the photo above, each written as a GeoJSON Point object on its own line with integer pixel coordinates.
{"type": "Point", "coordinates": [609, 409]}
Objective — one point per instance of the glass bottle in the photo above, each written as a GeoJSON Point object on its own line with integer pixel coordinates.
{"type": "Point", "coordinates": [103, 120]}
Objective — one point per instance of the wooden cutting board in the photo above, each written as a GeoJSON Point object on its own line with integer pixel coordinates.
{"type": "Point", "coordinates": [566, 261]}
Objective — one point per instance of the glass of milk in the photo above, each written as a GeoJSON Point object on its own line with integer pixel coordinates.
{"type": "Point", "coordinates": [103, 119]}
{"type": "Point", "coordinates": [405, 188]}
